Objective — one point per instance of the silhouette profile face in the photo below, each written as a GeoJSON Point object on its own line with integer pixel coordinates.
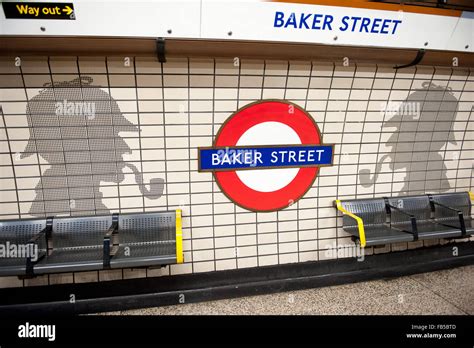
{"type": "Point", "coordinates": [423, 127]}
{"type": "Point", "coordinates": [75, 127]}
{"type": "Point", "coordinates": [431, 109]}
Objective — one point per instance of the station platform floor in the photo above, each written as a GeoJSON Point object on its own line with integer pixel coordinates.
{"type": "Point", "coordinates": [446, 292]}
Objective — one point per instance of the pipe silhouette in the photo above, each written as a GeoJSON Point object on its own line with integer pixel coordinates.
{"type": "Point", "coordinates": [365, 179]}
{"type": "Point", "coordinates": [156, 184]}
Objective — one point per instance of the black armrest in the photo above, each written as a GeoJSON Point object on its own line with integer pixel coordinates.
{"type": "Point", "coordinates": [35, 240]}
{"type": "Point", "coordinates": [45, 234]}
{"type": "Point", "coordinates": [460, 214]}
{"type": "Point", "coordinates": [109, 249]}
{"type": "Point", "coordinates": [36, 237]}
{"type": "Point", "coordinates": [414, 227]}
{"type": "Point", "coordinates": [112, 229]}
{"type": "Point", "coordinates": [446, 207]}
{"type": "Point", "coordinates": [400, 210]}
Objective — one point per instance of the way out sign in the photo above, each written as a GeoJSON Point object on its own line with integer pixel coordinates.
{"type": "Point", "coordinates": [266, 156]}
{"type": "Point", "coordinates": [39, 10]}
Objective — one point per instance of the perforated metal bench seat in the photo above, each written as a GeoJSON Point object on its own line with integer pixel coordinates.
{"type": "Point", "coordinates": [148, 239]}
{"type": "Point", "coordinates": [386, 220]}
{"type": "Point", "coordinates": [77, 245]}
{"type": "Point", "coordinates": [15, 235]}
{"type": "Point", "coordinates": [469, 225]}
{"type": "Point", "coordinates": [144, 255]}
{"type": "Point", "coordinates": [460, 201]}
{"type": "Point", "coordinates": [430, 230]}
{"type": "Point", "coordinates": [70, 244]}
{"type": "Point", "coordinates": [377, 235]}
{"type": "Point", "coordinates": [13, 266]}
{"type": "Point", "coordinates": [71, 260]}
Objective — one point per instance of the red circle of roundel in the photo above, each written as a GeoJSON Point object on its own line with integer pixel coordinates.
{"type": "Point", "coordinates": [247, 117]}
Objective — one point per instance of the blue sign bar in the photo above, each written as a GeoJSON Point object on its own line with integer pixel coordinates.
{"type": "Point", "coordinates": [233, 158]}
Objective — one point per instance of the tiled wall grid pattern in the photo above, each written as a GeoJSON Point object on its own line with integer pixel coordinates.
{"type": "Point", "coordinates": [180, 105]}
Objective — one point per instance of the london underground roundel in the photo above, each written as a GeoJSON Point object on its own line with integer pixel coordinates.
{"type": "Point", "coordinates": [266, 155]}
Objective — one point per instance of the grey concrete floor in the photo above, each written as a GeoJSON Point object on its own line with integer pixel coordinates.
{"type": "Point", "coordinates": [442, 292]}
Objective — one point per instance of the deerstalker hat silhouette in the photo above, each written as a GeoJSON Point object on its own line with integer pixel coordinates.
{"type": "Point", "coordinates": [437, 104]}
{"type": "Point", "coordinates": [52, 131]}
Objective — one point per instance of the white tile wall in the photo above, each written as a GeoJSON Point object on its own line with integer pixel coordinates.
{"type": "Point", "coordinates": [182, 108]}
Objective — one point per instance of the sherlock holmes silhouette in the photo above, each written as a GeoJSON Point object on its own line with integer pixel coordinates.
{"type": "Point", "coordinates": [75, 127]}
{"type": "Point", "coordinates": [424, 123]}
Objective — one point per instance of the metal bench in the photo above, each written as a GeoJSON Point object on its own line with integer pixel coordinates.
{"type": "Point", "coordinates": [148, 239]}
{"type": "Point", "coordinates": [386, 220]}
{"type": "Point", "coordinates": [23, 242]}
{"type": "Point", "coordinates": [453, 210]}
{"type": "Point", "coordinates": [69, 244]}
{"type": "Point", "coordinates": [78, 245]}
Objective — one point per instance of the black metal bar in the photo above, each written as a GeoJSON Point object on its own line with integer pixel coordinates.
{"type": "Point", "coordinates": [106, 258]}
{"type": "Point", "coordinates": [115, 222]}
{"type": "Point", "coordinates": [46, 234]}
{"type": "Point", "coordinates": [160, 50]}
{"type": "Point", "coordinates": [387, 206]}
{"type": "Point", "coordinates": [108, 240]}
{"type": "Point", "coordinates": [446, 207]}
{"type": "Point", "coordinates": [49, 235]}
{"type": "Point", "coordinates": [29, 262]}
{"type": "Point", "coordinates": [414, 227]}
{"type": "Point", "coordinates": [49, 227]}
{"type": "Point", "coordinates": [432, 206]}
{"type": "Point", "coordinates": [419, 56]}
{"type": "Point", "coordinates": [462, 224]}
{"type": "Point", "coordinates": [388, 220]}
{"type": "Point", "coordinates": [400, 210]}
{"type": "Point", "coordinates": [114, 227]}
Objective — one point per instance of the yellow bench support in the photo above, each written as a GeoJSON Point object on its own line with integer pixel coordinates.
{"type": "Point", "coordinates": [179, 237]}
{"type": "Point", "coordinates": [360, 223]}
{"type": "Point", "coordinates": [471, 195]}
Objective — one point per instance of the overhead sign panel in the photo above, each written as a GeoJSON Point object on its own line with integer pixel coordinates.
{"type": "Point", "coordinates": [337, 25]}
{"type": "Point", "coordinates": [357, 23]}
{"type": "Point", "coordinates": [39, 10]}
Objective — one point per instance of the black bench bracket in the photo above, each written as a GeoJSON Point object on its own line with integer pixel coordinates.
{"type": "Point", "coordinates": [46, 234]}
{"type": "Point", "coordinates": [160, 50]}
{"type": "Point", "coordinates": [109, 240]}
{"type": "Point", "coordinates": [419, 56]}
{"type": "Point", "coordinates": [414, 227]}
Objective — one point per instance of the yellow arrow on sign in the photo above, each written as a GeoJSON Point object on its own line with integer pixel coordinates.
{"type": "Point", "coordinates": [68, 10]}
